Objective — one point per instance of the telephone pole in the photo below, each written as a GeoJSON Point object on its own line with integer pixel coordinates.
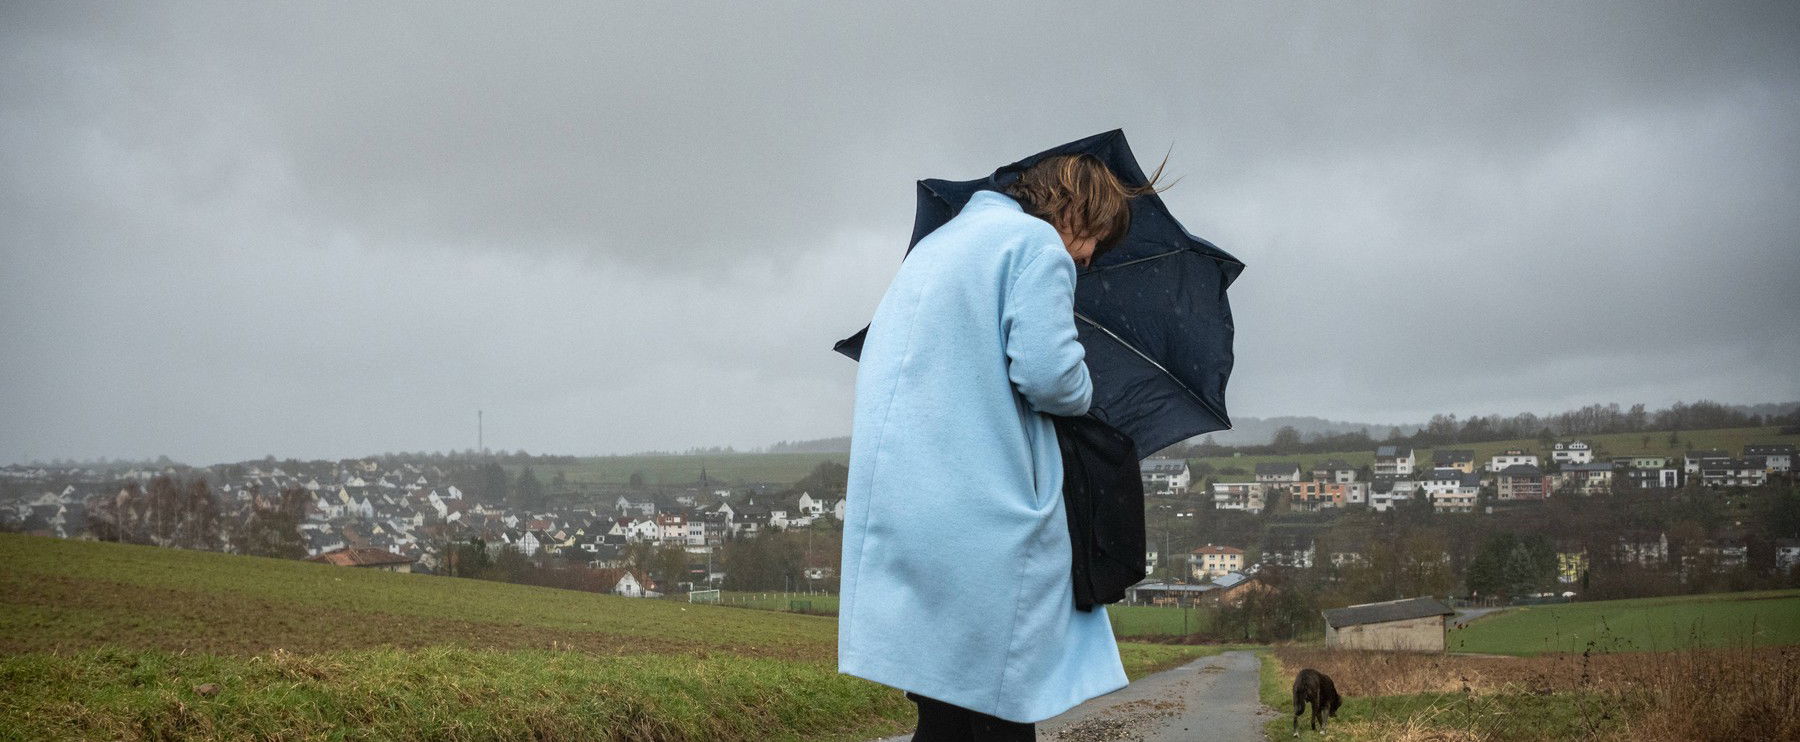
{"type": "Point", "coordinates": [480, 445]}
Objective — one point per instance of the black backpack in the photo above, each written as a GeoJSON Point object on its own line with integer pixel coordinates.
{"type": "Point", "coordinates": [1104, 497]}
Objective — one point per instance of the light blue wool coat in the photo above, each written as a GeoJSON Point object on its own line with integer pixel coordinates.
{"type": "Point", "coordinates": [955, 581]}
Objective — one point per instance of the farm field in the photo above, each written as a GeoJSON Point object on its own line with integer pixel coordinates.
{"type": "Point", "coordinates": [1684, 694]}
{"type": "Point", "coordinates": [116, 641]}
{"type": "Point", "coordinates": [1614, 444]}
{"type": "Point", "coordinates": [1769, 618]}
{"type": "Point", "coordinates": [1127, 620]}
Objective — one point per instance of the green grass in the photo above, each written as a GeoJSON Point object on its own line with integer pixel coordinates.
{"type": "Point", "coordinates": [1127, 620]}
{"type": "Point", "coordinates": [1646, 624]}
{"type": "Point", "coordinates": [109, 641]}
{"type": "Point", "coordinates": [1154, 620]}
{"type": "Point", "coordinates": [1488, 716]}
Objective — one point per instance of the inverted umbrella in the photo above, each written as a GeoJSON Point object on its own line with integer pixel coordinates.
{"type": "Point", "coordinates": [1151, 313]}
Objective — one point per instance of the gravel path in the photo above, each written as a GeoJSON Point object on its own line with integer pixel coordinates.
{"type": "Point", "coordinates": [1211, 698]}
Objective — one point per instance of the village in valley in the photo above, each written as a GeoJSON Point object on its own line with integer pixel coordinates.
{"type": "Point", "coordinates": [1403, 520]}
{"type": "Point", "coordinates": [1448, 482]}
{"type": "Point", "coordinates": [1439, 545]}
{"type": "Point", "coordinates": [409, 516]}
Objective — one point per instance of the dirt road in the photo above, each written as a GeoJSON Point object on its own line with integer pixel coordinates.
{"type": "Point", "coordinates": [1212, 698]}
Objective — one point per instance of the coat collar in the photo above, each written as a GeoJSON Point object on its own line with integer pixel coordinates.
{"type": "Point", "coordinates": [985, 197]}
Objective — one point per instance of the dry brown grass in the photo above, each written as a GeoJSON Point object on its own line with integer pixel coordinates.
{"type": "Point", "coordinates": [1692, 694]}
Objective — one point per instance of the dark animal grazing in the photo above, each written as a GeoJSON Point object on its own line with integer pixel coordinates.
{"type": "Point", "coordinates": [1316, 688]}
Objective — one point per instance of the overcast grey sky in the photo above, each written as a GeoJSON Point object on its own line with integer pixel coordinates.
{"type": "Point", "coordinates": [328, 230]}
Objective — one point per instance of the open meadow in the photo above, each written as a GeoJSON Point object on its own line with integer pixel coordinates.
{"type": "Point", "coordinates": [1150, 622]}
{"type": "Point", "coordinates": [109, 641]}
{"type": "Point", "coordinates": [1723, 666]}
{"type": "Point", "coordinates": [1766, 618]}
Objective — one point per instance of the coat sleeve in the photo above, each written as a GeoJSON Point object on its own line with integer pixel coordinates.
{"type": "Point", "coordinates": [1043, 355]}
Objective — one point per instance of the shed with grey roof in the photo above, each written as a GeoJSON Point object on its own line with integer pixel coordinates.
{"type": "Point", "coordinates": [1411, 624]}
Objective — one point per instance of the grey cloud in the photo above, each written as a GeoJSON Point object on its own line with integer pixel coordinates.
{"type": "Point", "coordinates": [331, 229]}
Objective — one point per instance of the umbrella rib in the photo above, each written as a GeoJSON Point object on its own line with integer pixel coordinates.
{"type": "Point", "coordinates": [1139, 260]}
{"type": "Point", "coordinates": [1152, 362]}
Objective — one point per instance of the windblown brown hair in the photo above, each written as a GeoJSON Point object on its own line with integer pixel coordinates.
{"type": "Point", "coordinates": [1080, 195]}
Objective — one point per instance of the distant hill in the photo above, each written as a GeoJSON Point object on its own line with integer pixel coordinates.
{"type": "Point", "coordinates": [840, 444]}
{"type": "Point", "coordinates": [1246, 431]}
{"type": "Point", "coordinates": [1256, 431]}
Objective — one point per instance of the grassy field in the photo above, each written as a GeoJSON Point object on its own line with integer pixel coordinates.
{"type": "Point", "coordinates": [1727, 619]}
{"type": "Point", "coordinates": [1684, 694]}
{"type": "Point", "coordinates": [108, 641]}
{"type": "Point", "coordinates": [1127, 620]}
{"type": "Point", "coordinates": [1618, 444]}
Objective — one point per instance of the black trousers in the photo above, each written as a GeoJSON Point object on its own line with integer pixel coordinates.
{"type": "Point", "coordinates": [943, 722]}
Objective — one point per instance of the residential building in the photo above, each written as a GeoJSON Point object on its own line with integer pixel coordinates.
{"type": "Point", "coordinates": [1667, 477]}
{"type": "Point", "coordinates": [1334, 470]}
{"type": "Point", "coordinates": [1640, 461]}
{"type": "Point", "coordinates": [1280, 472]}
{"type": "Point", "coordinates": [1732, 473]}
{"type": "Point", "coordinates": [1387, 492]}
{"type": "Point", "coordinates": [1311, 496]}
{"type": "Point", "coordinates": [1395, 461]}
{"type": "Point", "coordinates": [1454, 495]}
{"type": "Point", "coordinates": [1521, 482]}
{"type": "Point", "coordinates": [1777, 457]}
{"type": "Point", "coordinates": [1462, 460]}
{"type": "Point", "coordinates": [1165, 476]}
{"type": "Point", "coordinates": [1585, 479]}
{"type": "Point", "coordinates": [1512, 457]}
{"type": "Point", "coordinates": [1245, 496]}
{"type": "Point", "coordinates": [1346, 493]}
{"type": "Point", "coordinates": [1211, 561]}
{"type": "Point", "coordinates": [1572, 452]}
{"type": "Point", "coordinates": [1693, 460]}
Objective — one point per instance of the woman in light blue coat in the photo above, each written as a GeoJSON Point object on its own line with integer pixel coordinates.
{"type": "Point", "coordinates": [955, 577]}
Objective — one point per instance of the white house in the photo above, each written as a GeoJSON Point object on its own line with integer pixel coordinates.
{"type": "Point", "coordinates": [1776, 457]}
{"type": "Point", "coordinates": [1245, 496]}
{"type": "Point", "coordinates": [1571, 452]}
{"type": "Point", "coordinates": [1513, 457]}
{"type": "Point", "coordinates": [1279, 472]}
{"type": "Point", "coordinates": [811, 505]}
{"type": "Point", "coordinates": [529, 543]}
{"type": "Point", "coordinates": [628, 586]}
{"type": "Point", "coordinates": [1395, 461]}
{"type": "Point", "coordinates": [1165, 475]}
{"type": "Point", "coordinates": [643, 529]}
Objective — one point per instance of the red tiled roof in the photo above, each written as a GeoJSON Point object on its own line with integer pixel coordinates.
{"type": "Point", "coordinates": [1210, 549]}
{"type": "Point", "coordinates": [360, 557]}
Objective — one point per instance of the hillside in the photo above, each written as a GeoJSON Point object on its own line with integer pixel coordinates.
{"type": "Point", "coordinates": [103, 640]}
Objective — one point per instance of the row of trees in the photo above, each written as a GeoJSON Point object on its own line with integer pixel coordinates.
{"type": "Point", "coordinates": [1447, 429]}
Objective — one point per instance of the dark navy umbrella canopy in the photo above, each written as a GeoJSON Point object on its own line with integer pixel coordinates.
{"type": "Point", "coordinates": [1151, 313]}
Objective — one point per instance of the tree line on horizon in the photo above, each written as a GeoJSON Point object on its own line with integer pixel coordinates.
{"type": "Point", "coordinates": [1447, 429]}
